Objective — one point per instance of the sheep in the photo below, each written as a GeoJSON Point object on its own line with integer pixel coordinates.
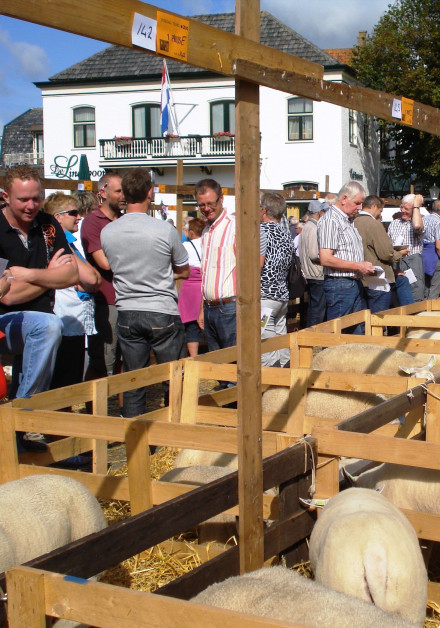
{"type": "Point", "coordinates": [412, 488]}
{"type": "Point", "coordinates": [322, 403]}
{"type": "Point", "coordinates": [196, 457]}
{"type": "Point", "coordinates": [40, 513]}
{"type": "Point", "coordinates": [283, 594]}
{"type": "Point", "coordinates": [363, 545]}
{"type": "Point", "coordinates": [364, 358]}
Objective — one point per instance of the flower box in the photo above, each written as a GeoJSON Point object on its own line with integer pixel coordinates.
{"type": "Point", "coordinates": [123, 141]}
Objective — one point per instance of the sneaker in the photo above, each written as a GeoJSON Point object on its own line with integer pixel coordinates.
{"type": "Point", "coordinates": [33, 441]}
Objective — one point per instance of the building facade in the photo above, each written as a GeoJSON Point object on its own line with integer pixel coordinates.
{"type": "Point", "coordinates": [108, 107]}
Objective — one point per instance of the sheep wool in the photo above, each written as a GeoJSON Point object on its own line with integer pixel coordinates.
{"type": "Point", "coordinates": [40, 513]}
{"type": "Point", "coordinates": [283, 594]}
{"type": "Point", "coordinates": [364, 546]}
{"type": "Point", "coordinates": [197, 457]}
{"type": "Point", "coordinates": [412, 488]}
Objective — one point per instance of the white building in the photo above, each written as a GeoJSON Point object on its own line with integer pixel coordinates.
{"type": "Point", "coordinates": [108, 106]}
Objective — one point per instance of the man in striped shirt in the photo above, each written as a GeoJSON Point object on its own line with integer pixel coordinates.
{"type": "Point", "coordinates": [408, 231]}
{"type": "Point", "coordinates": [431, 225]}
{"type": "Point", "coordinates": [341, 254]}
{"type": "Point", "coordinates": [217, 314]}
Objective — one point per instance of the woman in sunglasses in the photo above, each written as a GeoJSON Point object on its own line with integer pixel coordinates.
{"type": "Point", "coordinates": [75, 306]}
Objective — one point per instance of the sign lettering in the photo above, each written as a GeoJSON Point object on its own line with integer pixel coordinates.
{"type": "Point", "coordinates": [172, 35]}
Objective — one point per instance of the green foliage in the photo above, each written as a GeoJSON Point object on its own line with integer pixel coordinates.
{"type": "Point", "coordinates": [401, 57]}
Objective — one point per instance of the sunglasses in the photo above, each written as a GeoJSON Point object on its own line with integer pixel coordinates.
{"type": "Point", "coordinates": [70, 212]}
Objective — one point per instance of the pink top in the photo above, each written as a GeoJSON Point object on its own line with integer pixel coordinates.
{"type": "Point", "coordinates": [190, 296]}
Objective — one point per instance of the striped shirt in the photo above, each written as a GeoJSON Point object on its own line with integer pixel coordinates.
{"type": "Point", "coordinates": [412, 239]}
{"type": "Point", "coordinates": [218, 259]}
{"type": "Point", "coordinates": [338, 233]}
{"type": "Point", "coordinates": [431, 225]}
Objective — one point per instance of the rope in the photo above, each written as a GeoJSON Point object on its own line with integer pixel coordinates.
{"type": "Point", "coordinates": [303, 440]}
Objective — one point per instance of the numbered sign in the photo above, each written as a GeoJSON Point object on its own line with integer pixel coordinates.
{"type": "Point", "coordinates": [397, 109]}
{"type": "Point", "coordinates": [172, 36]}
{"type": "Point", "coordinates": [143, 32]}
{"type": "Point", "coordinates": [407, 110]}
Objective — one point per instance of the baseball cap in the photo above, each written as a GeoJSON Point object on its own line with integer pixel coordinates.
{"type": "Point", "coordinates": [316, 206]}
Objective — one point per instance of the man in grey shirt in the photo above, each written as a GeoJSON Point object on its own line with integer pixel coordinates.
{"type": "Point", "coordinates": [146, 256]}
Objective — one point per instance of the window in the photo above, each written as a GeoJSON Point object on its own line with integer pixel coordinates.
{"type": "Point", "coordinates": [146, 121]}
{"type": "Point", "coordinates": [84, 127]}
{"type": "Point", "coordinates": [352, 135]}
{"type": "Point", "coordinates": [366, 130]}
{"type": "Point", "coordinates": [223, 116]}
{"type": "Point", "coordinates": [300, 119]}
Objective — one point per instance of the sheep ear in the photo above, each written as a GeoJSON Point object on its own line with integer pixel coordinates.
{"type": "Point", "coordinates": [430, 363]}
{"type": "Point", "coordinates": [407, 370]}
{"type": "Point", "coordinates": [347, 476]}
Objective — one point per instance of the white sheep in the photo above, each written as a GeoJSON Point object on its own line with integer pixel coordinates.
{"type": "Point", "coordinates": [412, 488]}
{"type": "Point", "coordinates": [364, 546]}
{"type": "Point", "coordinates": [321, 403]}
{"type": "Point", "coordinates": [282, 594]}
{"type": "Point", "coordinates": [197, 457]}
{"type": "Point", "coordinates": [364, 358]}
{"type": "Point", "coordinates": [40, 513]}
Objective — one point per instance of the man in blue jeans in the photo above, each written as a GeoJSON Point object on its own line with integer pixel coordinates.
{"type": "Point", "coordinates": [146, 257]}
{"type": "Point", "coordinates": [34, 246]}
{"type": "Point", "coordinates": [341, 253]}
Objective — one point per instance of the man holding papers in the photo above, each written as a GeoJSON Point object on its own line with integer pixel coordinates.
{"type": "Point", "coordinates": [378, 250]}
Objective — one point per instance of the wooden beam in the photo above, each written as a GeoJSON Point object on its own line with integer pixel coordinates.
{"type": "Point", "coordinates": [247, 177]}
{"type": "Point", "coordinates": [370, 101]}
{"type": "Point", "coordinates": [111, 21]}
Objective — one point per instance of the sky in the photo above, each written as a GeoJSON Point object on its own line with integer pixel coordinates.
{"type": "Point", "coordinates": [30, 53]}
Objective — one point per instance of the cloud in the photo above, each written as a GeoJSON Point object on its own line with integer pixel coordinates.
{"type": "Point", "coordinates": [32, 60]}
{"type": "Point", "coordinates": [328, 23]}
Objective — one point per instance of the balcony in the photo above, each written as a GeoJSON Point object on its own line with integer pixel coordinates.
{"type": "Point", "coordinates": [12, 159]}
{"type": "Point", "coordinates": [162, 151]}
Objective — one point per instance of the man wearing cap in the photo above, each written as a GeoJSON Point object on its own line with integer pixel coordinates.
{"type": "Point", "coordinates": [313, 271]}
{"type": "Point", "coordinates": [378, 249]}
{"type": "Point", "coordinates": [341, 252]}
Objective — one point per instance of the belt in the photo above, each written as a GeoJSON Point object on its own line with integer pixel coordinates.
{"type": "Point", "coordinates": [220, 301]}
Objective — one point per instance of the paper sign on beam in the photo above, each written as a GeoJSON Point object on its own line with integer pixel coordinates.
{"type": "Point", "coordinates": [407, 110]}
{"type": "Point", "coordinates": [172, 36]}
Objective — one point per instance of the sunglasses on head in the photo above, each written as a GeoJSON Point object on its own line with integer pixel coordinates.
{"type": "Point", "coordinates": [70, 212]}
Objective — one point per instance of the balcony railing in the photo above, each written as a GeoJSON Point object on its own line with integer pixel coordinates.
{"type": "Point", "coordinates": [11, 159]}
{"type": "Point", "coordinates": [168, 148]}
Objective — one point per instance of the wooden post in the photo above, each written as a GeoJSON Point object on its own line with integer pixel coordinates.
{"type": "Point", "coordinates": [8, 445]}
{"type": "Point", "coordinates": [138, 463]}
{"type": "Point", "coordinates": [247, 180]}
{"type": "Point", "coordinates": [100, 406]}
{"type": "Point", "coordinates": [26, 598]}
{"type": "Point", "coordinates": [432, 413]}
{"type": "Point", "coordinates": [327, 184]}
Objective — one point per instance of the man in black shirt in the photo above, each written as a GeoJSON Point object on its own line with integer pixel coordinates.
{"type": "Point", "coordinates": [33, 244]}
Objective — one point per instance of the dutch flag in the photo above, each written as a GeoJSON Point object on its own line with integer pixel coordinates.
{"type": "Point", "coordinates": [164, 100]}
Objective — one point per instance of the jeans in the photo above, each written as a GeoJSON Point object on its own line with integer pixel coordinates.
{"type": "Point", "coordinates": [33, 338]}
{"type": "Point", "coordinates": [220, 325]}
{"type": "Point", "coordinates": [138, 332]}
{"type": "Point", "coordinates": [103, 349]}
{"type": "Point", "coordinates": [276, 326]}
{"type": "Point", "coordinates": [317, 303]}
{"type": "Point", "coordinates": [344, 296]}
{"type": "Point", "coordinates": [377, 300]}
{"type": "Point", "coordinates": [403, 290]}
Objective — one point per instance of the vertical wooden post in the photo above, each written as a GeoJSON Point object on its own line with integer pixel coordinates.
{"type": "Point", "coordinates": [247, 187]}
{"type": "Point", "coordinates": [327, 184]}
{"type": "Point", "coordinates": [26, 598]}
{"type": "Point", "coordinates": [100, 406]}
{"type": "Point", "coordinates": [176, 384]}
{"type": "Point", "coordinates": [138, 464]}
{"type": "Point", "coordinates": [433, 414]}
{"type": "Point", "coordinates": [8, 445]}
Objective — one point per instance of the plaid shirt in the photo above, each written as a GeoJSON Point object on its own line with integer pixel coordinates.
{"type": "Point", "coordinates": [431, 225]}
{"type": "Point", "coordinates": [337, 232]}
{"type": "Point", "coordinates": [412, 239]}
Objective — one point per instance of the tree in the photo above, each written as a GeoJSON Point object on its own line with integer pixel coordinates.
{"type": "Point", "coordinates": [401, 57]}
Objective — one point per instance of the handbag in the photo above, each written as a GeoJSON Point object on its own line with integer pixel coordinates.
{"type": "Point", "coordinates": [296, 282]}
{"type": "Point", "coordinates": [429, 258]}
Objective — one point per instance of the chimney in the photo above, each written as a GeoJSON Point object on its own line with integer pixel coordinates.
{"type": "Point", "coordinates": [362, 38]}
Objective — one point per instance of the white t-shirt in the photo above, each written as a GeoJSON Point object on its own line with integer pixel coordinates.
{"type": "Point", "coordinates": [193, 258]}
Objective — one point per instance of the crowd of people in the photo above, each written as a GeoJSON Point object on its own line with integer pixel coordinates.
{"type": "Point", "coordinates": [90, 281]}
